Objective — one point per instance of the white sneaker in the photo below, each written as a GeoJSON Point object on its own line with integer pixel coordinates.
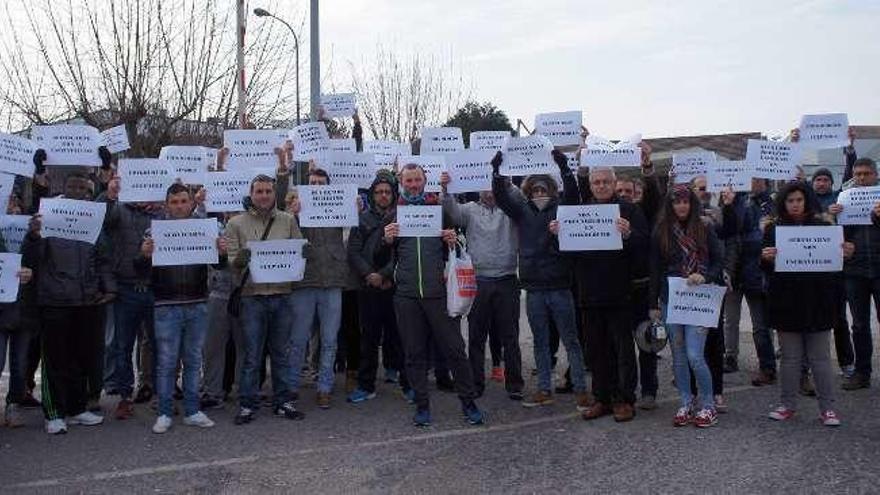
{"type": "Point", "coordinates": [56, 427]}
{"type": "Point", "coordinates": [86, 419]}
{"type": "Point", "coordinates": [199, 419]}
{"type": "Point", "coordinates": [163, 424]}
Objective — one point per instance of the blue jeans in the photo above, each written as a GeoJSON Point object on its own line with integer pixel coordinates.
{"type": "Point", "coordinates": [859, 291]}
{"type": "Point", "coordinates": [18, 343]}
{"type": "Point", "coordinates": [266, 320]}
{"type": "Point", "coordinates": [541, 306]}
{"type": "Point", "coordinates": [131, 309]}
{"type": "Point", "coordinates": [688, 344]}
{"type": "Point", "coordinates": [180, 334]}
{"type": "Point", "coordinates": [327, 303]}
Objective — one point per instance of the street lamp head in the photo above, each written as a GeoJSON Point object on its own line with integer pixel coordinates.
{"type": "Point", "coordinates": [262, 13]}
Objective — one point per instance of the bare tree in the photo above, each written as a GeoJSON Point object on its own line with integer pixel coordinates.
{"type": "Point", "coordinates": [398, 95]}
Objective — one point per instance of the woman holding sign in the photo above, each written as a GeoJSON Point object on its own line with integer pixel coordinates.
{"type": "Point", "coordinates": [683, 246]}
{"type": "Point", "coordinates": [801, 306]}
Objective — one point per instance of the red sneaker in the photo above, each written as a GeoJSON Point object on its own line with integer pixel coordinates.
{"type": "Point", "coordinates": [497, 374]}
{"type": "Point", "coordinates": [682, 417]}
{"type": "Point", "coordinates": [781, 413]}
{"type": "Point", "coordinates": [829, 418]}
{"type": "Point", "coordinates": [706, 418]}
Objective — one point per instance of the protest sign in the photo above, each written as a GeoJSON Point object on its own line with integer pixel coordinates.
{"type": "Point", "coordinates": [7, 181]}
{"type": "Point", "coordinates": [489, 140]}
{"type": "Point", "coordinates": [440, 140]}
{"type": "Point", "coordinates": [528, 155]}
{"type": "Point", "coordinates": [188, 163]}
{"type": "Point", "coordinates": [469, 171]}
{"type": "Point", "coordinates": [600, 152]}
{"type": "Point", "coordinates": [857, 204]}
{"type": "Point", "coordinates": [733, 175]}
{"type": "Point", "coordinates": [13, 228]}
{"type": "Point", "coordinates": [347, 144]}
{"type": "Point", "coordinates": [687, 166]}
{"type": "Point", "coordinates": [561, 128]}
{"type": "Point", "coordinates": [185, 242]}
{"type": "Point", "coordinates": [68, 144]}
{"type": "Point", "coordinates": [698, 305]}
{"type": "Point", "coordinates": [72, 219]}
{"type": "Point", "coordinates": [809, 249]}
{"type": "Point", "coordinates": [385, 152]}
{"type": "Point", "coordinates": [338, 105]}
{"type": "Point", "coordinates": [775, 160]}
{"type": "Point", "coordinates": [115, 139]}
{"type": "Point", "coordinates": [249, 148]}
{"type": "Point", "coordinates": [224, 191]}
{"type": "Point", "coordinates": [434, 165]}
{"type": "Point", "coordinates": [830, 130]}
{"type": "Point", "coordinates": [420, 221]}
{"type": "Point", "coordinates": [10, 264]}
{"type": "Point", "coordinates": [345, 167]}
{"type": "Point", "coordinates": [589, 228]}
{"type": "Point", "coordinates": [328, 206]}
{"type": "Point", "coordinates": [16, 155]}
{"type": "Point", "coordinates": [144, 179]}
{"type": "Point", "coordinates": [277, 261]}
{"type": "Point", "coordinates": [309, 140]}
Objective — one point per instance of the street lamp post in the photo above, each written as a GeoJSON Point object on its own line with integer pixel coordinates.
{"type": "Point", "coordinates": [265, 13]}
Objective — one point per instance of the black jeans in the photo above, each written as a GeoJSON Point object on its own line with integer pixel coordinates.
{"type": "Point", "coordinates": [843, 344]}
{"type": "Point", "coordinates": [419, 321]}
{"type": "Point", "coordinates": [378, 326]}
{"type": "Point", "coordinates": [348, 348]}
{"type": "Point", "coordinates": [859, 292]}
{"type": "Point", "coordinates": [612, 354]}
{"type": "Point", "coordinates": [496, 307]}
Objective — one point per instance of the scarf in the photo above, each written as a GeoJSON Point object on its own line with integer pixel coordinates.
{"type": "Point", "coordinates": [692, 261]}
{"type": "Point", "coordinates": [542, 202]}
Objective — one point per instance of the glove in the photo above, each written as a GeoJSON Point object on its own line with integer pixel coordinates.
{"type": "Point", "coordinates": [39, 158]}
{"type": "Point", "coordinates": [243, 258]}
{"type": "Point", "coordinates": [560, 159]}
{"type": "Point", "coordinates": [496, 163]}
{"type": "Point", "coordinates": [106, 157]}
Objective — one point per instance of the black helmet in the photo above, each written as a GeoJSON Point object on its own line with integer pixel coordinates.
{"type": "Point", "coordinates": [650, 336]}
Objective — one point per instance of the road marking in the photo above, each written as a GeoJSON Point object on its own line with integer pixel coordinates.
{"type": "Point", "coordinates": [194, 466]}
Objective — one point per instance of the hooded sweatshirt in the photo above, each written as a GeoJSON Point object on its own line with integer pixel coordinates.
{"type": "Point", "coordinates": [491, 237]}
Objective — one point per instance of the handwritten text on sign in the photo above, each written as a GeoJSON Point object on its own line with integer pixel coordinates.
{"type": "Point", "coordinates": [250, 148]}
{"type": "Point", "coordinates": [185, 242]}
{"type": "Point", "coordinates": [385, 152]}
{"type": "Point", "coordinates": [600, 152]}
{"type": "Point", "coordinates": [736, 176]}
{"type": "Point", "coordinates": [773, 160]}
{"type": "Point", "coordinates": [809, 249]}
{"type": "Point", "coordinates": [188, 163]}
{"type": "Point", "coordinates": [830, 130]}
{"type": "Point", "coordinates": [528, 155]}
{"type": "Point", "coordinates": [857, 204]}
{"type": "Point", "coordinates": [72, 219]}
{"type": "Point", "coordinates": [16, 155]}
{"type": "Point", "coordinates": [68, 144]}
{"type": "Point", "coordinates": [309, 140]}
{"type": "Point", "coordinates": [328, 206]}
{"type": "Point", "coordinates": [561, 128]}
{"type": "Point", "coordinates": [489, 140]}
{"type": "Point", "coordinates": [687, 166]}
{"type": "Point", "coordinates": [469, 171]}
{"type": "Point", "coordinates": [13, 228]}
{"type": "Point", "coordinates": [589, 228]}
{"type": "Point", "coordinates": [115, 139]}
{"type": "Point", "coordinates": [433, 165]}
{"type": "Point", "coordinates": [224, 191]}
{"type": "Point", "coordinates": [338, 105]}
{"type": "Point", "coordinates": [144, 179]}
{"type": "Point", "coordinates": [348, 168]}
{"type": "Point", "coordinates": [277, 261]}
{"type": "Point", "coordinates": [10, 264]}
{"type": "Point", "coordinates": [420, 221]}
{"type": "Point", "coordinates": [441, 140]}
{"type": "Point", "coordinates": [698, 305]}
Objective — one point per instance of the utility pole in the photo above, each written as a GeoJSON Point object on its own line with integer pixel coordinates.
{"type": "Point", "coordinates": [241, 16]}
{"type": "Point", "coordinates": [315, 57]}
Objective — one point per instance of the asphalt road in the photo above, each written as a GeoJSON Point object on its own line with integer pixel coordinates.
{"type": "Point", "coordinates": [372, 447]}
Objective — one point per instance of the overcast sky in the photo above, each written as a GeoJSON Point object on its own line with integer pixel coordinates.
{"type": "Point", "coordinates": [662, 68]}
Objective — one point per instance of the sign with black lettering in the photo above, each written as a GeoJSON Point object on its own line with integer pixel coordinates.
{"type": "Point", "coordinates": [470, 170]}
{"type": "Point", "coordinates": [589, 228]}
{"type": "Point", "coordinates": [829, 130]}
{"type": "Point", "coordinates": [328, 206]}
{"type": "Point", "coordinates": [809, 249]}
{"type": "Point", "coordinates": [185, 242]}
{"type": "Point", "coordinates": [72, 219]}
{"type": "Point", "coordinates": [10, 264]}
{"type": "Point", "coordinates": [420, 221]}
{"type": "Point", "coordinates": [277, 261]}
{"type": "Point", "coordinates": [698, 305]}
{"type": "Point", "coordinates": [774, 160]}
{"type": "Point", "coordinates": [144, 179]}
{"type": "Point", "coordinates": [561, 128]}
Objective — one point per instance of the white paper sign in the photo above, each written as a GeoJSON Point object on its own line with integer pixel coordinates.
{"type": "Point", "coordinates": [736, 175]}
{"type": "Point", "coordinates": [775, 160]}
{"type": "Point", "coordinates": [441, 140]}
{"type": "Point", "coordinates": [489, 140]}
{"type": "Point", "coordinates": [528, 155]}
{"type": "Point", "coordinates": [830, 130]}
{"type": "Point", "coordinates": [16, 155]}
{"type": "Point", "coordinates": [698, 305]}
{"type": "Point", "coordinates": [345, 167]}
{"type": "Point", "coordinates": [687, 166]}
{"type": "Point", "coordinates": [809, 249]}
{"type": "Point", "coordinates": [469, 171]}
{"type": "Point", "coordinates": [857, 204]}
{"type": "Point", "coordinates": [600, 152]}
{"type": "Point", "coordinates": [434, 165]}
{"type": "Point", "coordinates": [185, 242]}
{"type": "Point", "coordinates": [420, 221]}
{"type": "Point", "coordinates": [188, 163]}
{"type": "Point", "coordinates": [224, 191]}
{"type": "Point", "coordinates": [338, 105]}
{"type": "Point", "coordinates": [347, 144]}
{"type": "Point", "coordinates": [589, 228]}
{"type": "Point", "coordinates": [72, 219]}
{"type": "Point", "coordinates": [561, 128]}
{"type": "Point", "coordinates": [144, 179]}
{"type": "Point", "coordinates": [328, 206]}
{"type": "Point", "coordinates": [249, 148]}
{"type": "Point", "coordinates": [277, 261]}
{"type": "Point", "coordinates": [13, 228]}
{"type": "Point", "coordinates": [115, 139]}
{"type": "Point", "coordinates": [68, 144]}
{"type": "Point", "coordinates": [309, 140]}
{"type": "Point", "coordinates": [7, 181]}
{"type": "Point", "coordinates": [385, 152]}
{"type": "Point", "coordinates": [10, 264]}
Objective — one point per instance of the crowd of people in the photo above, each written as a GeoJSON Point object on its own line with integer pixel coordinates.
{"type": "Point", "coordinates": [207, 334]}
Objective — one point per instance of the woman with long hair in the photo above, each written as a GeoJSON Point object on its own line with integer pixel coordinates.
{"type": "Point", "coordinates": [684, 246]}
{"type": "Point", "coordinates": [801, 307]}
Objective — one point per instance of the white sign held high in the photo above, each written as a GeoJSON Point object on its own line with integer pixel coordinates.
{"type": "Point", "coordinates": [72, 219]}
{"type": "Point", "coordinates": [589, 228]}
{"type": "Point", "coordinates": [698, 305]}
{"type": "Point", "coordinates": [10, 264]}
{"type": "Point", "coordinates": [385, 152]}
{"type": "Point", "coordinates": [830, 130]}
{"type": "Point", "coordinates": [489, 140]}
{"type": "Point", "coordinates": [348, 168]}
{"type": "Point", "coordinates": [339, 105]}
{"type": "Point", "coordinates": [857, 204]}
{"type": "Point", "coordinates": [309, 140]}
{"type": "Point", "coordinates": [188, 163]}
{"type": "Point", "coordinates": [687, 166]}
{"type": "Point", "coordinates": [420, 221]}
{"type": "Point", "coordinates": [144, 179]}
{"type": "Point", "coordinates": [528, 155]}
{"type": "Point", "coordinates": [469, 171]}
{"type": "Point", "coordinates": [116, 139]}
{"type": "Point", "coordinates": [561, 128]}
{"type": "Point", "coordinates": [185, 242]}
{"type": "Point", "coordinates": [68, 144]}
{"type": "Point", "coordinates": [600, 152]}
{"type": "Point", "coordinates": [434, 165]}
{"type": "Point", "coordinates": [440, 140]}
{"type": "Point", "coordinates": [348, 145]}
{"type": "Point", "coordinates": [14, 228]}
{"type": "Point", "coordinates": [733, 175]}
{"type": "Point", "coordinates": [16, 155]}
{"type": "Point", "coordinates": [250, 148]}
{"type": "Point", "coordinates": [809, 249]}
{"type": "Point", "coordinates": [775, 160]}
{"type": "Point", "coordinates": [224, 191]}
{"type": "Point", "coordinates": [277, 261]}
{"type": "Point", "coordinates": [328, 206]}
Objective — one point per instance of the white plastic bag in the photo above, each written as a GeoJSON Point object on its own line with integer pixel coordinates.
{"type": "Point", "coordinates": [461, 283]}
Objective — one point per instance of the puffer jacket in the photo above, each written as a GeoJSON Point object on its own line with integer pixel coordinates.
{"type": "Point", "coordinates": [326, 259]}
{"type": "Point", "coordinates": [125, 226]}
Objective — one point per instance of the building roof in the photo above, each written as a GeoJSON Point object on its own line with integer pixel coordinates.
{"type": "Point", "coordinates": [867, 131]}
{"type": "Point", "coordinates": [729, 146]}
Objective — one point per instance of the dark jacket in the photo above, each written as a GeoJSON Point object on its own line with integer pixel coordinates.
{"type": "Point", "coordinates": [326, 259]}
{"type": "Point", "coordinates": [865, 262]}
{"type": "Point", "coordinates": [665, 266]}
{"type": "Point", "coordinates": [365, 245]}
{"type": "Point", "coordinates": [125, 226]}
{"type": "Point", "coordinates": [742, 239]}
{"type": "Point", "coordinates": [800, 301]}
